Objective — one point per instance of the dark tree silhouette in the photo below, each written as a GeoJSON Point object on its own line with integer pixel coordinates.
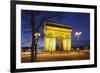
{"type": "Point", "coordinates": [34, 41]}
{"type": "Point", "coordinates": [44, 17]}
{"type": "Point", "coordinates": [33, 38]}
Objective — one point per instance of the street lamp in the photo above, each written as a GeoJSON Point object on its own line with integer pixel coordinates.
{"type": "Point", "coordinates": [78, 36]}
{"type": "Point", "coordinates": [37, 35]}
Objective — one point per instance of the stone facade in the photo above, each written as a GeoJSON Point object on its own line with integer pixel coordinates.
{"type": "Point", "coordinates": [54, 32]}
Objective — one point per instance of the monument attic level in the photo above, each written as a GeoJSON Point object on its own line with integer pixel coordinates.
{"type": "Point", "coordinates": [53, 32]}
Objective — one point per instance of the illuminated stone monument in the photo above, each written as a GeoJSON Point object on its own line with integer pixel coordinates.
{"type": "Point", "coordinates": [54, 32]}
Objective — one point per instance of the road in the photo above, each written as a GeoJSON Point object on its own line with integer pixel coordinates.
{"type": "Point", "coordinates": [56, 56]}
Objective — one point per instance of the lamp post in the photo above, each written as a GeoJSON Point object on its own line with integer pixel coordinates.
{"type": "Point", "coordinates": [37, 35]}
{"type": "Point", "coordinates": [78, 36]}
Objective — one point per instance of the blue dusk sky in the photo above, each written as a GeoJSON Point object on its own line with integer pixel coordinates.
{"type": "Point", "coordinates": [79, 22]}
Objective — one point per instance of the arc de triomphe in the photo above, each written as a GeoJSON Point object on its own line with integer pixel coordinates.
{"type": "Point", "coordinates": [57, 37]}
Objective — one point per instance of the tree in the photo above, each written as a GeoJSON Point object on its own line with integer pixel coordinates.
{"type": "Point", "coordinates": [34, 41]}
{"type": "Point", "coordinates": [44, 17]}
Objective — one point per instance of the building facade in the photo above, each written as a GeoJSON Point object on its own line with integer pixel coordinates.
{"type": "Point", "coordinates": [57, 37]}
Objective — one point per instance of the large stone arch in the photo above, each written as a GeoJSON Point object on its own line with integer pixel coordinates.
{"type": "Point", "coordinates": [60, 31]}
